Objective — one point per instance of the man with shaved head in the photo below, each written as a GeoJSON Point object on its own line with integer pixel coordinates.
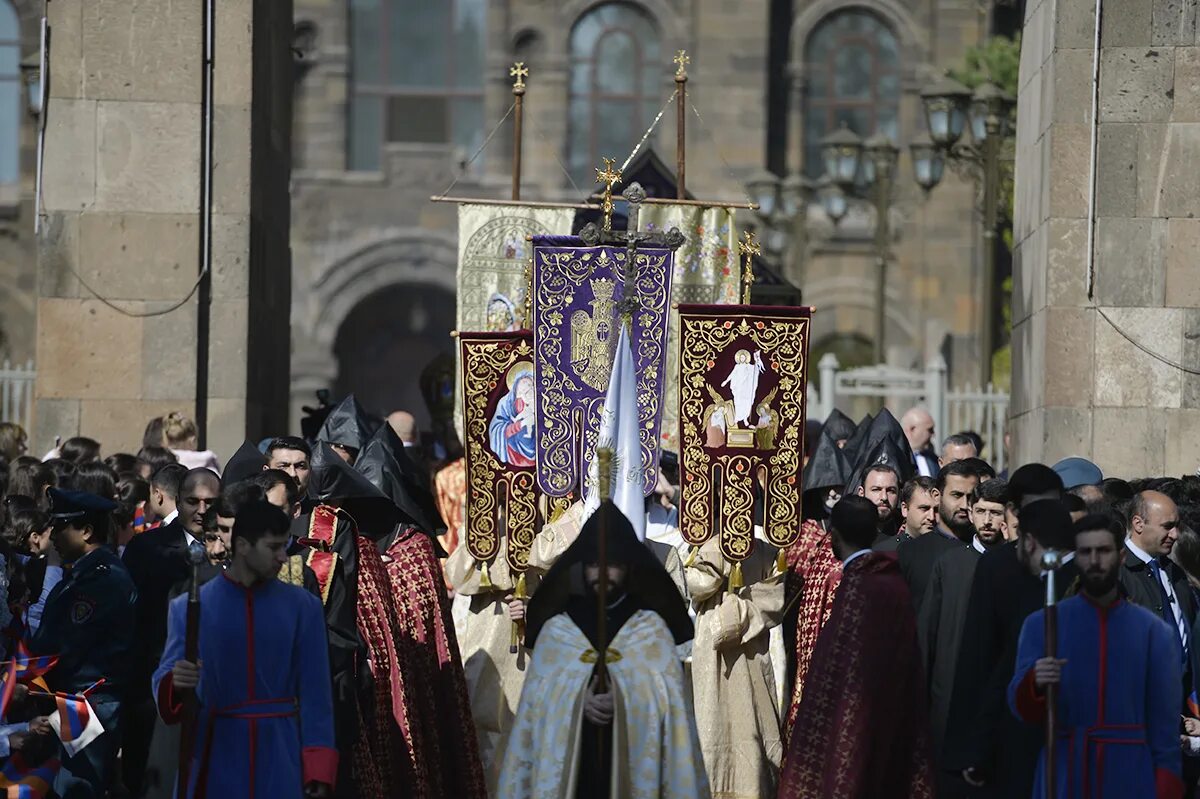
{"type": "Point", "coordinates": [1148, 575]}
{"type": "Point", "coordinates": [157, 561]}
{"type": "Point", "coordinates": [918, 429]}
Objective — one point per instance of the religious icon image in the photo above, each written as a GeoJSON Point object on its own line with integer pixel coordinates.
{"type": "Point", "coordinates": [737, 420]}
{"type": "Point", "coordinates": [768, 422]}
{"type": "Point", "coordinates": [511, 430]}
{"type": "Point", "coordinates": [592, 339]}
{"type": "Point", "coordinates": [501, 314]}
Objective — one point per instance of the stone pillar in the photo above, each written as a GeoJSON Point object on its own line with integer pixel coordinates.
{"type": "Point", "coordinates": [1081, 384]}
{"type": "Point", "coordinates": [118, 253]}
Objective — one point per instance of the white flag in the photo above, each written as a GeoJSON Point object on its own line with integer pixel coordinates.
{"type": "Point", "coordinates": [76, 724]}
{"type": "Point", "coordinates": [619, 432]}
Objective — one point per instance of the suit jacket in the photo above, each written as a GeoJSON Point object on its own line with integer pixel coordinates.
{"type": "Point", "coordinates": [929, 459]}
{"type": "Point", "coordinates": [157, 561]}
{"type": "Point", "coordinates": [1142, 588]}
{"type": "Point", "coordinates": [917, 559]}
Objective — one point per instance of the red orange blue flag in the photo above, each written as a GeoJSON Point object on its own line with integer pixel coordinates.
{"type": "Point", "coordinates": [20, 781]}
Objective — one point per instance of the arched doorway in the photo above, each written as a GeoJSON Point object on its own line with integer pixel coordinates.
{"type": "Point", "coordinates": [385, 342]}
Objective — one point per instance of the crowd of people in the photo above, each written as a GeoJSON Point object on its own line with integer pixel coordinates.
{"type": "Point", "coordinates": [302, 620]}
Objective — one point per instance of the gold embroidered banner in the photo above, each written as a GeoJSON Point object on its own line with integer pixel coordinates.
{"type": "Point", "coordinates": [742, 392]}
{"type": "Point", "coordinates": [499, 413]}
{"type": "Point", "coordinates": [493, 266]}
{"type": "Point", "coordinates": [706, 272]}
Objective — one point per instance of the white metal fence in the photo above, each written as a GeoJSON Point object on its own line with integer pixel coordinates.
{"type": "Point", "coordinates": [16, 394]}
{"type": "Point", "coordinates": [983, 410]}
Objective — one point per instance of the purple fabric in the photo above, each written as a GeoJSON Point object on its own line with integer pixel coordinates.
{"type": "Point", "coordinates": [574, 336]}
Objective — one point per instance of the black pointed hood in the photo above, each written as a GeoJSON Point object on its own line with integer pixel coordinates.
{"type": "Point", "coordinates": [387, 466]}
{"type": "Point", "coordinates": [335, 482]}
{"type": "Point", "coordinates": [647, 581]}
{"type": "Point", "coordinates": [349, 425]}
{"type": "Point", "coordinates": [244, 464]}
{"type": "Point", "coordinates": [887, 444]}
{"type": "Point", "coordinates": [840, 426]}
{"type": "Point", "coordinates": [828, 467]}
{"type": "Point", "coordinates": [857, 441]}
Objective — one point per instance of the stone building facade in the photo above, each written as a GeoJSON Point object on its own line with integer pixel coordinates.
{"type": "Point", "coordinates": [1109, 333]}
{"type": "Point", "coordinates": [375, 260]}
{"type": "Point", "coordinates": [391, 98]}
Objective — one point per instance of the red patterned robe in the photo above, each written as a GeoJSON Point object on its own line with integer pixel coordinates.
{"type": "Point", "coordinates": [812, 563]}
{"type": "Point", "coordinates": [862, 730]}
{"type": "Point", "coordinates": [437, 721]}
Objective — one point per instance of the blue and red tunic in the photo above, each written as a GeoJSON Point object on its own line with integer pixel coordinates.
{"type": "Point", "coordinates": [1117, 705]}
{"type": "Point", "coordinates": [265, 721]}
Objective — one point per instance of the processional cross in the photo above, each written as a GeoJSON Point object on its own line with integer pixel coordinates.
{"type": "Point", "coordinates": [520, 72]}
{"type": "Point", "coordinates": [592, 235]}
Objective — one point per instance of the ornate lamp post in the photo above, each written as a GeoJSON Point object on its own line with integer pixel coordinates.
{"type": "Point", "coordinates": [782, 208]}
{"type": "Point", "coordinates": [855, 169]}
{"type": "Point", "coordinates": [950, 110]}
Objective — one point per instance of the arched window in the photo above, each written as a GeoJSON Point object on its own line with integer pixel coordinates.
{"type": "Point", "coordinates": [416, 75]}
{"type": "Point", "coordinates": [617, 85]}
{"type": "Point", "coordinates": [852, 77]}
{"type": "Point", "coordinates": [11, 99]}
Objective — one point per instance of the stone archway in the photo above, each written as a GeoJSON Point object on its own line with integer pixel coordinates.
{"type": "Point", "coordinates": [408, 263]}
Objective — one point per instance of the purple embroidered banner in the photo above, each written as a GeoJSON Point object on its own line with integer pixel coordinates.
{"type": "Point", "coordinates": [576, 291]}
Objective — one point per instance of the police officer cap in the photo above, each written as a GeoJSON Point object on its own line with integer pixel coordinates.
{"type": "Point", "coordinates": [68, 506]}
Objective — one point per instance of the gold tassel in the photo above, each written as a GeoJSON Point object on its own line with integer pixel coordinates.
{"type": "Point", "coordinates": [735, 577]}
{"type": "Point", "coordinates": [781, 562]}
{"type": "Point", "coordinates": [521, 591]}
{"type": "Point", "coordinates": [485, 580]}
{"type": "Point", "coordinates": [691, 558]}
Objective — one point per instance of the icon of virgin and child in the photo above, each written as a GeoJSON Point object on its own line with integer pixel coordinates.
{"type": "Point", "coordinates": [511, 430]}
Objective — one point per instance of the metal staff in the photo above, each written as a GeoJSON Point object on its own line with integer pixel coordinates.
{"type": "Point", "coordinates": [1051, 560]}
{"type": "Point", "coordinates": [191, 653]}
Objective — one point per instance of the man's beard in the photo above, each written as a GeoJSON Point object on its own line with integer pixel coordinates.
{"type": "Point", "coordinates": [1099, 583]}
{"type": "Point", "coordinates": [962, 528]}
{"type": "Point", "coordinates": [991, 537]}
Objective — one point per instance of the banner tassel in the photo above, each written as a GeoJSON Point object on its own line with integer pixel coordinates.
{"type": "Point", "coordinates": [735, 577]}
{"type": "Point", "coordinates": [485, 580]}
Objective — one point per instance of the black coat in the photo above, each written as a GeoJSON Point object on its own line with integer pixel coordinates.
{"type": "Point", "coordinates": [980, 731]}
{"type": "Point", "coordinates": [157, 561]}
{"type": "Point", "coordinates": [918, 557]}
{"type": "Point", "coordinates": [1142, 587]}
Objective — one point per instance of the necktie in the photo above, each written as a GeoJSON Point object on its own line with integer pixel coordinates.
{"type": "Point", "coordinates": [1168, 609]}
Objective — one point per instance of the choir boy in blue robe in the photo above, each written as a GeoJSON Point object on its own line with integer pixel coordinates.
{"type": "Point", "coordinates": [1118, 675]}
{"type": "Point", "coordinates": [265, 719]}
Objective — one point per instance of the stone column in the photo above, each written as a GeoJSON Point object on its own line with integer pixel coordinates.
{"type": "Point", "coordinates": [1083, 383]}
{"type": "Point", "coordinates": [118, 253]}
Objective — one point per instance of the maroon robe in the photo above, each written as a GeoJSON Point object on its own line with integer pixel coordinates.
{"type": "Point", "coordinates": [862, 730]}
{"type": "Point", "coordinates": [812, 562]}
{"type": "Point", "coordinates": [438, 720]}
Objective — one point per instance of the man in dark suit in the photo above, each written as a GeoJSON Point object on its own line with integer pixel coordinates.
{"type": "Point", "coordinates": [1148, 575]}
{"type": "Point", "coordinates": [918, 429]}
{"type": "Point", "coordinates": [157, 561]}
{"type": "Point", "coordinates": [984, 744]}
{"type": "Point", "coordinates": [918, 556]}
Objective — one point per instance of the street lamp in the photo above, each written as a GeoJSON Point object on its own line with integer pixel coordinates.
{"type": "Point", "coordinates": [855, 169]}
{"type": "Point", "coordinates": [763, 188]}
{"type": "Point", "coordinates": [949, 107]}
{"type": "Point", "coordinates": [928, 162]}
{"type": "Point", "coordinates": [782, 212]}
{"type": "Point", "coordinates": [842, 153]}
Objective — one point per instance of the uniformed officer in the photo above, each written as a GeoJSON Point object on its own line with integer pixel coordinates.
{"type": "Point", "coordinates": [89, 624]}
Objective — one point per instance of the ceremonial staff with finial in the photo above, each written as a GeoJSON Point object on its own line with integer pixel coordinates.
{"type": "Point", "coordinates": [748, 247]}
{"type": "Point", "coordinates": [609, 177]}
{"type": "Point", "coordinates": [1051, 560]}
{"type": "Point", "coordinates": [191, 653]}
{"type": "Point", "coordinates": [604, 487]}
{"type": "Point", "coordinates": [519, 72]}
{"type": "Point", "coordinates": [681, 77]}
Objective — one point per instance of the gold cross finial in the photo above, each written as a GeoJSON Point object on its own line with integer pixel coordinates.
{"type": "Point", "coordinates": [681, 61]}
{"type": "Point", "coordinates": [748, 247]}
{"type": "Point", "coordinates": [520, 72]}
{"type": "Point", "coordinates": [609, 177]}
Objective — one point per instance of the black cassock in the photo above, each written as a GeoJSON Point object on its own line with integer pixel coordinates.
{"type": "Point", "coordinates": [980, 731]}
{"type": "Point", "coordinates": [919, 555]}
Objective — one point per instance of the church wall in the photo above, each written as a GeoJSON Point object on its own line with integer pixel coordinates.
{"type": "Point", "coordinates": [121, 196]}
{"type": "Point", "coordinates": [1081, 384]}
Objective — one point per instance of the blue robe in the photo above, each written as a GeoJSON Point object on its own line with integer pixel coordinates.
{"type": "Point", "coordinates": [265, 722]}
{"type": "Point", "coordinates": [1118, 703]}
